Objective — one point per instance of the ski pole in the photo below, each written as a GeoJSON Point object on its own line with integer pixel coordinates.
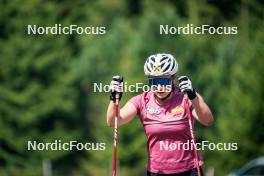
{"type": "Point", "coordinates": [116, 132]}
{"type": "Point", "coordinates": [190, 119]}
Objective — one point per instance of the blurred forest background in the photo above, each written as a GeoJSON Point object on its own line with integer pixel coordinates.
{"type": "Point", "coordinates": [46, 81]}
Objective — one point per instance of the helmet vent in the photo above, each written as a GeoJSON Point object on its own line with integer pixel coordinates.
{"type": "Point", "coordinates": [164, 58]}
{"type": "Point", "coordinates": [148, 69]}
{"type": "Point", "coordinates": [166, 68]}
{"type": "Point", "coordinates": [173, 64]}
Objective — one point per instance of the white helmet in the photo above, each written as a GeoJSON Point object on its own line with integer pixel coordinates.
{"type": "Point", "coordinates": [160, 65]}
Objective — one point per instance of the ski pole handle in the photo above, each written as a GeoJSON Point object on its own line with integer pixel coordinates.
{"type": "Point", "coordinates": [116, 87]}
{"type": "Point", "coordinates": [117, 97]}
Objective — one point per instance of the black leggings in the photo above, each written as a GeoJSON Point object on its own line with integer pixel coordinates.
{"type": "Point", "coordinates": [192, 172]}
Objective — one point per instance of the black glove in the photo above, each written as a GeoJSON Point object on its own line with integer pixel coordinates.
{"type": "Point", "coordinates": [186, 86]}
{"type": "Point", "coordinates": [116, 85]}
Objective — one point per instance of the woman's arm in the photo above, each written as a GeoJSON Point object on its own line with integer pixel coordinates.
{"type": "Point", "coordinates": [127, 113]}
{"type": "Point", "coordinates": [201, 111]}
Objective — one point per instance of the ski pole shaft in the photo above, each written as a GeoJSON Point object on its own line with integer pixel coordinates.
{"type": "Point", "coordinates": [190, 119]}
{"type": "Point", "coordinates": [116, 133]}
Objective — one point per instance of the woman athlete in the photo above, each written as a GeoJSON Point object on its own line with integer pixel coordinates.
{"type": "Point", "coordinates": [164, 116]}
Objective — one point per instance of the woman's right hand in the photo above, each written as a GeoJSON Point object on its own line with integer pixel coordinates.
{"type": "Point", "coordinates": [116, 86]}
{"type": "Point", "coordinates": [127, 112]}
